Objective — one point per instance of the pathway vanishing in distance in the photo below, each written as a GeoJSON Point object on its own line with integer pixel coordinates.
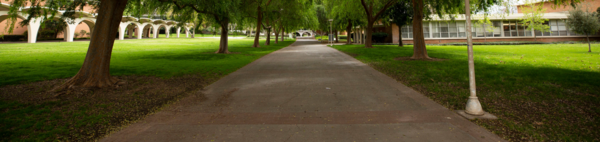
{"type": "Point", "coordinates": [307, 92]}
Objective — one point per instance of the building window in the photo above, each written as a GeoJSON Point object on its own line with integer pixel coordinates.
{"type": "Point", "coordinates": [562, 28]}
{"type": "Point", "coordinates": [461, 29]}
{"type": "Point", "coordinates": [407, 31]}
{"type": "Point", "coordinates": [426, 29]}
{"type": "Point", "coordinates": [435, 29]}
{"type": "Point", "coordinates": [553, 28]}
{"type": "Point", "coordinates": [444, 30]}
{"type": "Point", "coordinates": [497, 29]}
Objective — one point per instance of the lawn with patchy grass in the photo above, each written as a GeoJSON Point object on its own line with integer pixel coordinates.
{"type": "Point", "coordinates": [544, 92]}
{"type": "Point", "coordinates": [157, 72]}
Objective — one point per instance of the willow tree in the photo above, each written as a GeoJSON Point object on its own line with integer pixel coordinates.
{"type": "Point", "coordinates": [346, 15]}
{"type": "Point", "coordinates": [292, 14]}
{"type": "Point", "coordinates": [373, 10]}
{"type": "Point", "coordinates": [401, 14]}
{"type": "Point", "coordinates": [218, 12]}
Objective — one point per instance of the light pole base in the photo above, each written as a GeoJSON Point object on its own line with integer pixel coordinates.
{"type": "Point", "coordinates": [485, 115]}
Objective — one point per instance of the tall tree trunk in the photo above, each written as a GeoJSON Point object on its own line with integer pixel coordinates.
{"type": "Point", "coordinates": [276, 36]}
{"type": "Point", "coordinates": [95, 71]}
{"type": "Point", "coordinates": [400, 37]}
{"type": "Point", "coordinates": [369, 33]}
{"type": "Point", "coordinates": [268, 42]}
{"type": "Point", "coordinates": [348, 31]}
{"type": "Point", "coordinates": [419, 49]}
{"type": "Point", "coordinates": [258, 26]}
{"type": "Point", "coordinates": [336, 36]}
{"type": "Point", "coordinates": [282, 33]}
{"type": "Point", "coordinates": [589, 44]}
{"type": "Point", "coordinates": [223, 43]}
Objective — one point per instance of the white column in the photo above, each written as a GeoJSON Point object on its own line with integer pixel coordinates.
{"type": "Point", "coordinates": [167, 31]}
{"type": "Point", "coordinates": [130, 31]}
{"type": "Point", "coordinates": [122, 28]}
{"type": "Point", "coordinates": [70, 31]}
{"type": "Point", "coordinates": [32, 29]}
{"type": "Point", "coordinates": [140, 30]}
{"type": "Point", "coordinates": [178, 29]}
{"type": "Point", "coordinates": [155, 30]}
{"type": "Point", "coordinates": [193, 32]}
{"type": "Point", "coordinates": [187, 32]}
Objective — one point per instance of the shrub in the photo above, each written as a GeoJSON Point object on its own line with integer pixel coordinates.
{"type": "Point", "coordinates": [379, 37]}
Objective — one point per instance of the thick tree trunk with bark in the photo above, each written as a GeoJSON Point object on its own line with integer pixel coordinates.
{"type": "Point", "coordinates": [276, 36]}
{"type": "Point", "coordinates": [419, 49]}
{"type": "Point", "coordinates": [258, 26]}
{"type": "Point", "coordinates": [400, 37]}
{"type": "Point", "coordinates": [282, 33]}
{"type": "Point", "coordinates": [348, 31]}
{"type": "Point", "coordinates": [268, 41]}
{"type": "Point", "coordinates": [368, 34]}
{"type": "Point", "coordinates": [95, 71]}
{"type": "Point", "coordinates": [223, 43]}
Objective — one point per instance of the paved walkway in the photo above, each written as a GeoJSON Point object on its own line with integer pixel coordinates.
{"type": "Point", "coordinates": [305, 93]}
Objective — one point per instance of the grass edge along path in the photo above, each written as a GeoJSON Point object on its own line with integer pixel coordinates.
{"type": "Point", "coordinates": [539, 93]}
{"type": "Point", "coordinates": [29, 113]}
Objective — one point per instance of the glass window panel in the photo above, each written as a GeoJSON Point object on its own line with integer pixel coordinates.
{"type": "Point", "coordinates": [506, 27]}
{"type": "Point", "coordinates": [444, 35]}
{"type": "Point", "coordinates": [553, 28]}
{"type": "Point", "coordinates": [436, 29]}
{"type": "Point", "coordinates": [497, 28]}
{"type": "Point", "coordinates": [425, 29]}
{"type": "Point", "coordinates": [562, 28]}
{"type": "Point", "coordinates": [452, 27]}
{"type": "Point", "coordinates": [443, 27]}
{"type": "Point", "coordinates": [461, 26]}
{"type": "Point", "coordinates": [538, 33]}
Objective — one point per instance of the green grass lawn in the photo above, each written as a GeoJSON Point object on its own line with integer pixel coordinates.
{"type": "Point", "coordinates": [157, 57]}
{"type": "Point", "coordinates": [544, 92]}
{"type": "Point", "coordinates": [183, 66]}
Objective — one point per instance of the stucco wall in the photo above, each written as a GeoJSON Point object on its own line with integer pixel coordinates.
{"type": "Point", "coordinates": [18, 30]}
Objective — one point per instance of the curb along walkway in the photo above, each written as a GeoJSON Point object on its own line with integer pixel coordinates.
{"type": "Point", "coordinates": [305, 92]}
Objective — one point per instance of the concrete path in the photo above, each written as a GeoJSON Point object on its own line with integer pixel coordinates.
{"type": "Point", "coordinates": [307, 92]}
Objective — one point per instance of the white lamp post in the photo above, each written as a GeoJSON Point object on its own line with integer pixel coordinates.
{"type": "Point", "coordinates": [473, 108]}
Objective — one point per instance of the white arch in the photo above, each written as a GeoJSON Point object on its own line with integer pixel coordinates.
{"type": "Point", "coordinates": [141, 27]}
{"type": "Point", "coordinates": [72, 25]}
{"type": "Point", "coordinates": [155, 28]}
{"type": "Point", "coordinates": [168, 30]}
{"type": "Point", "coordinates": [122, 28]}
{"type": "Point", "coordinates": [90, 19]}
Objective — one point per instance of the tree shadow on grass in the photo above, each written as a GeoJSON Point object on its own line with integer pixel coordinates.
{"type": "Point", "coordinates": [532, 102]}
